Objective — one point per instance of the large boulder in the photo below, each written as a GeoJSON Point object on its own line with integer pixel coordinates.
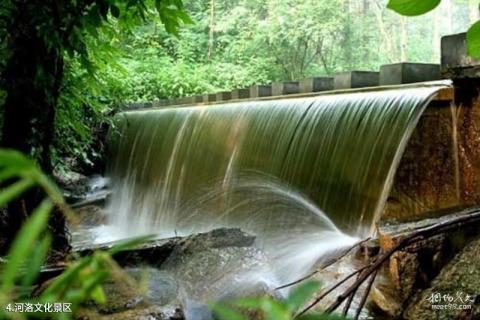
{"type": "Point", "coordinates": [454, 293]}
{"type": "Point", "coordinates": [183, 275]}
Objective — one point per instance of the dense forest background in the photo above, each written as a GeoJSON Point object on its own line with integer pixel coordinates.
{"type": "Point", "coordinates": [232, 44]}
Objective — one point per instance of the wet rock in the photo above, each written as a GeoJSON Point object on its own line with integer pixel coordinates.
{"type": "Point", "coordinates": [218, 265]}
{"type": "Point", "coordinates": [385, 301]}
{"type": "Point", "coordinates": [413, 269]}
{"type": "Point", "coordinates": [91, 215]}
{"type": "Point", "coordinates": [187, 273]}
{"type": "Point", "coordinates": [149, 313]}
{"type": "Point", "coordinates": [74, 184]}
{"type": "Point", "coordinates": [403, 270]}
{"type": "Point", "coordinates": [156, 252]}
{"type": "Point", "coordinates": [457, 285]}
{"type": "Point", "coordinates": [147, 293]}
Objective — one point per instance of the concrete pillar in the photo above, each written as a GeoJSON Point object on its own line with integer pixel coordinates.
{"type": "Point", "coordinates": [454, 52]}
{"type": "Point", "coordinates": [241, 93]}
{"type": "Point", "coordinates": [257, 91]}
{"type": "Point", "coordinates": [400, 73]}
{"type": "Point", "coordinates": [223, 96]}
{"type": "Point", "coordinates": [198, 99]}
{"type": "Point", "coordinates": [135, 106]}
{"type": "Point", "coordinates": [179, 101]}
{"type": "Point", "coordinates": [356, 79]}
{"type": "Point", "coordinates": [210, 97]}
{"type": "Point", "coordinates": [186, 101]}
{"type": "Point", "coordinates": [285, 87]}
{"type": "Point", "coordinates": [160, 103]}
{"type": "Point", "coordinates": [316, 84]}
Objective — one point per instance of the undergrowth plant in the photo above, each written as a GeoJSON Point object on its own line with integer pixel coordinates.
{"type": "Point", "coordinates": [21, 296]}
{"type": "Point", "coordinates": [269, 308]}
{"type": "Point", "coordinates": [59, 297]}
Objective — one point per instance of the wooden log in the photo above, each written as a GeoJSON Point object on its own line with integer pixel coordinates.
{"type": "Point", "coordinates": [403, 239]}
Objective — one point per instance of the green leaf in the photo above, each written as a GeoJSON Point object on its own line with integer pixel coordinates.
{"type": "Point", "coordinates": [275, 310]}
{"type": "Point", "coordinates": [128, 244]}
{"type": "Point", "coordinates": [412, 7]}
{"type": "Point", "coordinates": [473, 40]}
{"type": "Point", "coordinates": [35, 261]}
{"type": "Point", "coordinates": [302, 294]}
{"type": "Point", "coordinates": [66, 277]}
{"type": "Point", "coordinates": [13, 191]}
{"type": "Point", "coordinates": [98, 295]}
{"type": "Point", "coordinates": [22, 246]}
{"type": "Point", "coordinates": [224, 312]}
{"type": "Point", "coordinates": [15, 159]}
{"type": "Point", "coordinates": [185, 17]}
{"type": "Point", "coordinates": [250, 303]}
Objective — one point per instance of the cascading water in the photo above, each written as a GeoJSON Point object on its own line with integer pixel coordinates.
{"type": "Point", "coordinates": [305, 175]}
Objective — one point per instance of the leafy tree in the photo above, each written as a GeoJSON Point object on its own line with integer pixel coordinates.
{"type": "Point", "coordinates": [419, 7]}
{"type": "Point", "coordinates": [39, 36]}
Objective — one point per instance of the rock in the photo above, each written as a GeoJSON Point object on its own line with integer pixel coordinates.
{"type": "Point", "coordinates": [459, 281]}
{"type": "Point", "coordinates": [155, 252]}
{"type": "Point", "coordinates": [383, 299]}
{"type": "Point", "coordinates": [74, 184]}
{"type": "Point", "coordinates": [154, 295]}
{"type": "Point", "coordinates": [185, 275]}
{"type": "Point", "coordinates": [412, 269]}
{"type": "Point", "coordinates": [218, 265]}
{"type": "Point", "coordinates": [150, 313]}
{"type": "Point", "coordinates": [91, 215]}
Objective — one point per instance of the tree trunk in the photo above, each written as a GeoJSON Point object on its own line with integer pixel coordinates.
{"type": "Point", "coordinates": [211, 32]}
{"type": "Point", "coordinates": [387, 41]}
{"type": "Point", "coordinates": [404, 39]}
{"type": "Point", "coordinates": [449, 16]}
{"type": "Point", "coordinates": [436, 37]}
{"type": "Point", "coordinates": [32, 78]}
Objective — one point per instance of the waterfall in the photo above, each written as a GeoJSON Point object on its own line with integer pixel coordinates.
{"type": "Point", "coordinates": [305, 175]}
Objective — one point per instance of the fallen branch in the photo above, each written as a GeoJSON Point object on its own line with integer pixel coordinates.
{"type": "Point", "coordinates": [323, 295]}
{"type": "Point", "coordinates": [349, 303]}
{"type": "Point", "coordinates": [365, 294]}
{"type": "Point", "coordinates": [326, 265]}
{"type": "Point", "coordinates": [370, 271]}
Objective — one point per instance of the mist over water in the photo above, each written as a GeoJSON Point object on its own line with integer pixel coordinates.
{"type": "Point", "coordinates": [306, 176]}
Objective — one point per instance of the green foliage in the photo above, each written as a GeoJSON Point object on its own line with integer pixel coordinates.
{"type": "Point", "coordinates": [80, 282]}
{"type": "Point", "coordinates": [269, 308]}
{"type": "Point", "coordinates": [84, 34]}
{"type": "Point", "coordinates": [120, 52]}
{"type": "Point", "coordinates": [419, 7]}
{"type": "Point", "coordinates": [413, 7]}
{"type": "Point", "coordinates": [473, 40]}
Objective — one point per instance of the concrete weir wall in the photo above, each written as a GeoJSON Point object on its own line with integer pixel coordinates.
{"type": "Point", "coordinates": [440, 169]}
